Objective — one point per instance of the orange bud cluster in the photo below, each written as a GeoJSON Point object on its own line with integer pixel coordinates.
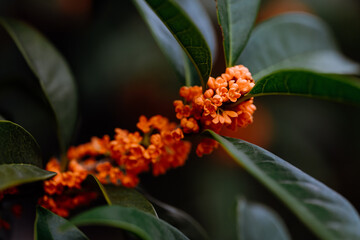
{"type": "Point", "coordinates": [57, 198]}
{"type": "Point", "coordinates": [215, 107]}
{"type": "Point", "coordinates": [159, 147]}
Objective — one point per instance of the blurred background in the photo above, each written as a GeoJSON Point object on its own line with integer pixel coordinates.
{"type": "Point", "coordinates": [122, 74]}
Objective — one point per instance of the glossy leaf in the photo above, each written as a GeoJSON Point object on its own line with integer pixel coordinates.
{"type": "Point", "coordinates": [169, 45]}
{"type": "Point", "coordinates": [47, 226]}
{"type": "Point", "coordinates": [322, 210]}
{"type": "Point", "coordinates": [179, 219]}
{"type": "Point", "coordinates": [258, 222]}
{"type": "Point", "coordinates": [294, 41]}
{"type": "Point", "coordinates": [144, 225]}
{"type": "Point", "coordinates": [128, 197]}
{"type": "Point", "coordinates": [236, 18]}
{"type": "Point", "coordinates": [309, 84]}
{"type": "Point", "coordinates": [119, 195]}
{"type": "Point", "coordinates": [186, 33]}
{"type": "Point", "coordinates": [17, 145]}
{"type": "Point", "coordinates": [12, 175]}
{"type": "Point", "coordinates": [52, 71]}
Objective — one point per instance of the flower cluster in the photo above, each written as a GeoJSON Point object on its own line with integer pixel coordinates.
{"type": "Point", "coordinates": [217, 105]}
{"type": "Point", "coordinates": [63, 191]}
{"type": "Point", "coordinates": [158, 147]}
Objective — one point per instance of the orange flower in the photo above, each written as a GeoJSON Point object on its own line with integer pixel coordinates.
{"type": "Point", "coordinates": [143, 124]}
{"type": "Point", "coordinates": [206, 146]}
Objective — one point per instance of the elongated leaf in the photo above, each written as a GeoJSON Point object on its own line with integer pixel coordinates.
{"type": "Point", "coordinates": [169, 45]}
{"type": "Point", "coordinates": [47, 226]}
{"type": "Point", "coordinates": [186, 33]}
{"type": "Point", "coordinates": [179, 219]}
{"type": "Point", "coordinates": [325, 212]}
{"type": "Point", "coordinates": [12, 175]}
{"type": "Point", "coordinates": [144, 225]}
{"type": "Point", "coordinates": [17, 145]}
{"type": "Point", "coordinates": [128, 197]}
{"type": "Point", "coordinates": [119, 195]}
{"type": "Point", "coordinates": [294, 41]}
{"type": "Point", "coordinates": [309, 84]}
{"type": "Point", "coordinates": [53, 74]}
{"type": "Point", "coordinates": [258, 222]}
{"type": "Point", "coordinates": [236, 18]}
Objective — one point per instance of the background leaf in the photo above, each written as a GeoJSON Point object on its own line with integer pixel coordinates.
{"type": "Point", "coordinates": [236, 18]}
{"type": "Point", "coordinates": [47, 226]}
{"type": "Point", "coordinates": [52, 72]}
{"type": "Point", "coordinates": [186, 33]}
{"type": "Point", "coordinates": [185, 70]}
{"type": "Point", "coordinates": [305, 83]}
{"type": "Point", "coordinates": [258, 222]}
{"type": "Point", "coordinates": [325, 212]}
{"type": "Point", "coordinates": [12, 175]}
{"type": "Point", "coordinates": [294, 41]}
{"type": "Point", "coordinates": [17, 145]}
{"type": "Point", "coordinates": [144, 225]}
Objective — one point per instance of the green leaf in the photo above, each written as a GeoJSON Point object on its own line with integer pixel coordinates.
{"type": "Point", "coordinates": [144, 225]}
{"type": "Point", "coordinates": [12, 175]}
{"type": "Point", "coordinates": [128, 197]}
{"type": "Point", "coordinates": [294, 41]}
{"type": "Point", "coordinates": [322, 210]}
{"type": "Point", "coordinates": [186, 33]}
{"type": "Point", "coordinates": [47, 226]}
{"type": "Point", "coordinates": [53, 73]}
{"type": "Point", "coordinates": [169, 45]}
{"type": "Point", "coordinates": [179, 219]}
{"type": "Point", "coordinates": [236, 18]}
{"type": "Point", "coordinates": [17, 145]}
{"type": "Point", "coordinates": [120, 195]}
{"type": "Point", "coordinates": [309, 84]}
{"type": "Point", "coordinates": [258, 222]}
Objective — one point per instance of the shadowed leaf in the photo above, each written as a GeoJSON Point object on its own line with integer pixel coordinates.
{"type": "Point", "coordinates": [322, 210]}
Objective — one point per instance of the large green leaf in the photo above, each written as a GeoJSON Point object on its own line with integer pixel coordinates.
{"type": "Point", "coordinates": [12, 175]}
{"type": "Point", "coordinates": [120, 195]}
{"type": "Point", "coordinates": [53, 73]}
{"type": "Point", "coordinates": [309, 84]}
{"type": "Point", "coordinates": [47, 226]}
{"type": "Point", "coordinates": [294, 41]}
{"type": "Point", "coordinates": [325, 212]}
{"type": "Point", "coordinates": [258, 222]}
{"type": "Point", "coordinates": [144, 225]}
{"type": "Point", "coordinates": [236, 18]}
{"type": "Point", "coordinates": [17, 145]}
{"type": "Point", "coordinates": [186, 33]}
{"type": "Point", "coordinates": [169, 45]}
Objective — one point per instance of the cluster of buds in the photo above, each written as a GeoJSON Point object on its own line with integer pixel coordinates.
{"type": "Point", "coordinates": [217, 105]}
{"type": "Point", "coordinates": [159, 147]}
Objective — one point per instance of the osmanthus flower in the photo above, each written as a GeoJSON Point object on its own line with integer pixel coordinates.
{"type": "Point", "coordinates": [158, 146]}
{"type": "Point", "coordinates": [63, 192]}
{"type": "Point", "coordinates": [216, 106]}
